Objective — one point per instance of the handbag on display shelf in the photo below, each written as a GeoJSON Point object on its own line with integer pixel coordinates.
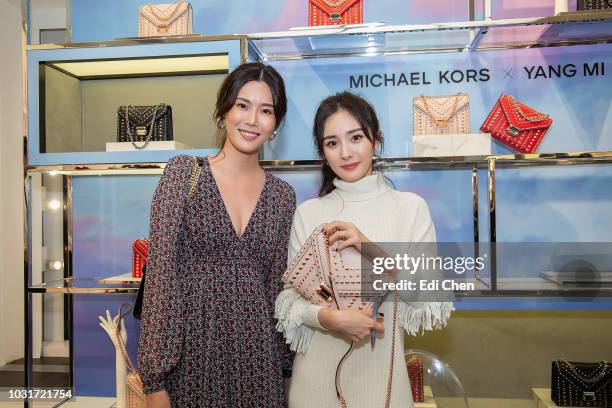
{"type": "Point", "coordinates": [165, 19]}
{"type": "Point", "coordinates": [581, 384]}
{"type": "Point", "coordinates": [140, 251]}
{"type": "Point", "coordinates": [415, 375]}
{"type": "Point", "coordinates": [460, 144]}
{"type": "Point", "coordinates": [134, 394]}
{"type": "Point", "coordinates": [516, 125]}
{"type": "Point", "coordinates": [329, 278]}
{"type": "Point", "coordinates": [594, 5]}
{"type": "Point", "coordinates": [144, 124]}
{"type": "Point", "coordinates": [334, 12]}
{"type": "Point", "coordinates": [436, 115]}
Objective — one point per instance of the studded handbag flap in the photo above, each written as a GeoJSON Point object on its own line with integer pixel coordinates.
{"type": "Point", "coordinates": [165, 19]}
{"type": "Point", "coordinates": [140, 252]}
{"type": "Point", "coordinates": [331, 12]}
{"type": "Point", "coordinates": [144, 124]}
{"type": "Point", "coordinates": [522, 116]}
{"type": "Point", "coordinates": [415, 375]}
{"type": "Point", "coordinates": [594, 4]}
{"type": "Point", "coordinates": [436, 115]}
{"type": "Point", "coordinates": [326, 277]}
{"type": "Point", "coordinates": [516, 125]}
{"type": "Point", "coordinates": [580, 384]}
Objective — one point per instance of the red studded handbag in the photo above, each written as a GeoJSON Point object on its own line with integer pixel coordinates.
{"type": "Point", "coordinates": [334, 12]}
{"type": "Point", "coordinates": [140, 252]}
{"type": "Point", "coordinates": [516, 125]}
{"type": "Point", "coordinates": [415, 375]}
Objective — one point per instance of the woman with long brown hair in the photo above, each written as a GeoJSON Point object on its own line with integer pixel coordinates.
{"type": "Point", "coordinates": [218, 246]}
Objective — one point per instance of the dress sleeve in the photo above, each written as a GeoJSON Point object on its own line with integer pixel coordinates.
{"type": "Point", "coordinates": [427, 314]}
{"type": "Point", "coordinates": [161, 335]}
{"type": "Point", "coordinates": [278, 268]}
{"type": "Point", "coordinates": [297, 317]}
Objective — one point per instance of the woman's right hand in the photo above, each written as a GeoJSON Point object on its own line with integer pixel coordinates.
{"type": "Point", "coordinates": [355, 324]}
{"type": "Point", "coordinates": [159, 399]}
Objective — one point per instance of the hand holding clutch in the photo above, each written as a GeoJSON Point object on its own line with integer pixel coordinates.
{"type": "Point", "coordinates": [327, 277]}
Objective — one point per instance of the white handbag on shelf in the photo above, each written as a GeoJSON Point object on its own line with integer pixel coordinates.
{"type": "Point", "coordinates": [165, 19]}
{"type": "Point", "coordinates": [460, 144]}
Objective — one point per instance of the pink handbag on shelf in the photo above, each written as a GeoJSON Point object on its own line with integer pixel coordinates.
{"type": "Point", "coordinates": [440, 115]}
{"type": "Point", "coordinates": [165, 19]}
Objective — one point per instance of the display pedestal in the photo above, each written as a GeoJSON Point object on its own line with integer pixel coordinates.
{"type": "Point", "coordinates": [462, 144]}
{"type": "Point", "coordinates": [128, 147]}
{"type": "Point", "coordinates": [429, 399]}
{"type": "Point", "coordinates": [541, 398]}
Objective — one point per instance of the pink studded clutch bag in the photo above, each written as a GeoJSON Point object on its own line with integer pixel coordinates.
{"type": "Point", "coordinates": [325, 276]}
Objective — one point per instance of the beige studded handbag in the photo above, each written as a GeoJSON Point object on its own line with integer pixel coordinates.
{"type": "Point", "coordinates": [439, 115]}
{"type": "Point", "coordinates": [334, 279]}
{"type": "Point", "coordinates": [326, 277]}
{"type": "Point", "coordinates": [165, 19]}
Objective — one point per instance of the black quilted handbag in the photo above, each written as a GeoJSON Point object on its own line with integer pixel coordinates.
{"type": "Point", "coordinates": [144, 124]}
{"type": "Point", "coordinates": [576, 384]}
{"type": "Point", "coordinates": [594, 4]}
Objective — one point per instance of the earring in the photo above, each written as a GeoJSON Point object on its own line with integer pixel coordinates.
{"type": "Point", "coordinates": [273, 136]}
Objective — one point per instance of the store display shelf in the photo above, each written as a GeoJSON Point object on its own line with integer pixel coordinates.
{"type": "Point", "coordinates": [381, 39]}
{"type": "Point", "coordinates": [92, 82]}
{"type": "Point", "coordinates": [523, 286]}
{"type": "Point", "coordinates": [508, 160]}
{"type": "Point", "coordinates": [83, 286]}
{"type": "Point", "coordinates": [140, 41]}
{"type": "Point", "coordinates": [534, 286]}
{"type": "Point", "coordinates": [123, 279]}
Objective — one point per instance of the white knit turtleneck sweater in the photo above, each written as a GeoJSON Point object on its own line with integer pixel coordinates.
{"type": "Point", "coordinates": [383, 215]}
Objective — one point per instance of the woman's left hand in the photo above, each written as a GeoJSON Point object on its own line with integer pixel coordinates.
{"type": "Point", "coordinates": [346, 232]}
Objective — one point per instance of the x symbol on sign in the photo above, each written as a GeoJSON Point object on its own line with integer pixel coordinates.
{"type": "Point", "coordinates": [507, 73]}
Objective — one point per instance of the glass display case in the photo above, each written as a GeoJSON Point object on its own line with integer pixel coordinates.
{"type": "Point", "coordinates": [79, 94]}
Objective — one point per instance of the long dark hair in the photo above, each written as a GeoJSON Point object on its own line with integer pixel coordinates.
{"type": "Point", "coordinates": [254, 71]}
{"type": "Point", "coordinates": [364, 114]}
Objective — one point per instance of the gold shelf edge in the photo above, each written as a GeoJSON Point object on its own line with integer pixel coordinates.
{"type": "Point", "coordinates": [375, 28]}
{"type": "Point", "coordinates": [139, 41]}
{"type": "Point", "coordinates": [504, 160]}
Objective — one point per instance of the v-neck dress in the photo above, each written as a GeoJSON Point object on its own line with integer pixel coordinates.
{"type": "Point", "coordinates": [208, 333]}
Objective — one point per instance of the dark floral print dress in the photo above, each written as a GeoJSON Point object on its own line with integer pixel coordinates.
{"type": "Point", "coordinates": [208, 333]}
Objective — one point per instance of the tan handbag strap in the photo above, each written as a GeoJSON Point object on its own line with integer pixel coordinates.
{"type": "Point", "coordinates": [195, 176]}
{"type": "Point", "coordinates": [341, 398]}
{"type": "Point", "coordinates": [120, 342]}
